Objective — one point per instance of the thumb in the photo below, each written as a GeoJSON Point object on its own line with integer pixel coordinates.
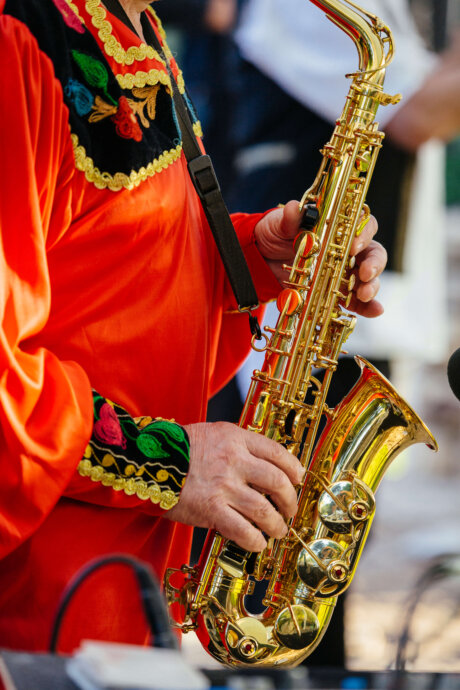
{"type": "Point", "coordinates": [290, 221]}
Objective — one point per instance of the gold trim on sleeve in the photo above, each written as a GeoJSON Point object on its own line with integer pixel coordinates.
{"type": "Point", "coordinates": [166, 499]}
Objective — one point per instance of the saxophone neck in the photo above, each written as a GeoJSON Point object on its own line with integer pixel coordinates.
{"type": "Point", "coordinates": [373, 39]}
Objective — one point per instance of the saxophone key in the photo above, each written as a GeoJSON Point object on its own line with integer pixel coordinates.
{"type": "Point", "coordinates": [260, 412]}
{"type": "Point", "coordinates": [313, 563]}
{"type": "Point", "coordinates": [338, 571]}
{"type": "Point", "coordinates": [289, 302]}
{"type": "Point", "coordinates": [310, 216]}
{"type": "Point", "coordinates": [306, 244]}
{"type": "Point", "coordinates": [297, 626]}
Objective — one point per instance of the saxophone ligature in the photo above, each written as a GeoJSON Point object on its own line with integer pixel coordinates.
{"type": "Point", "coordinates": [345, 450]}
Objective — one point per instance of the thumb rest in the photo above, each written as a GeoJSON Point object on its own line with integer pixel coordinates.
{"type": "Point", "coordinates": [345, 450]}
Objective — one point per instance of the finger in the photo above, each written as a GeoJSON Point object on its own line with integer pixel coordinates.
{"type": "Point", "coordinates": [257, 508]}
{"type": "Point", "coordinates": [265, 448]}
{"type": "Point", "coordinates": [365, 292]}
{"type": "Point", "coordinates": [234, 526]}
{"type": "Point", "coordinates": [368, 309]}
{"type": "Point", "coordinates": [371, 261]}
{"type": "Point", "coordinates": [363, 239]}
{"type": "Point", "coordinates": [274, 482]}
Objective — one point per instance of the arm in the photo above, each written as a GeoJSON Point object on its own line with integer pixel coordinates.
{"type": "Point", "coordinates": [45, 404]}
{"type": "Point", "coordinates": [433, 111]}
{"type": "Point", "coordinates": [47, 423]}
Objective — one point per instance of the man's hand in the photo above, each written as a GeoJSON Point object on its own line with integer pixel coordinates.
{"type": "Point", "coordinates": [230, 471]}
{"type": "Point", "coordinates": [274, 237]}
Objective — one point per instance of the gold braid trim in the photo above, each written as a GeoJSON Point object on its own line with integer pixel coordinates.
{"type": "Point", "coordinates": [166, 499]}
{"type": "Point", "coordinates": [115, 183]}
{"type": "Point", "coordinates": [74, 9]}
{"type": "Point", "coordinates": [141, 79]}
{"type": "Point", "coordinates": [113, 48]}
{"type": "Point", "coordinates": [152, 77]}
{"type": "Point", "coordinates": [197, 129]}
{"type": "Point", "coordinates": [119, 181]}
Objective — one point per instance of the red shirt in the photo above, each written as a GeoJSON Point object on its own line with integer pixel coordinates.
{"type": "Point", "coordinates": [109, 282]}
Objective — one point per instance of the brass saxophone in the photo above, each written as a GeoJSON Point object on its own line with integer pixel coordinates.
{"type": "Point", "coordinates": [346, 457]}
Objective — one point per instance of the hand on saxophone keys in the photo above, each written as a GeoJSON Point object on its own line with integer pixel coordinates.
{"type": "Point", "coordinates": [275, 234]}
{"type": "Point", "coordinates": [233, 474]}
{"type": "Point", "coordinates": [370, 260]}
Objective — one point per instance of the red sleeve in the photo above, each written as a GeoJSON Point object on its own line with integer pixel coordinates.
{"type": "Point", "coordinates": [45, 404]}
{"type": "Point", "coordinates": [267, 286]}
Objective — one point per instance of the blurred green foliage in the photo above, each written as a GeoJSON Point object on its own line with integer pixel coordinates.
{"type": "Point", "coordinates": [453, 172]}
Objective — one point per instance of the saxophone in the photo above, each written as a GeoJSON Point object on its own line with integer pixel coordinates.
{"type": "Point", "coordinates": [345, 450]}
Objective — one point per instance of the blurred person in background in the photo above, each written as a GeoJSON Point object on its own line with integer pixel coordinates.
{"type": "Point", "coordinates": [301, 77]}
{"type": "Point", "coordinates": [201, 33]}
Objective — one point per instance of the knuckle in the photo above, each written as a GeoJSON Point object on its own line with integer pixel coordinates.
{"type": "Point", "coordinates": [263, 511]}
{"type": "Point", "coordinates": [280, 482]}
{"type": "Point", "coordinates": [221, 484]}
{"type": "Point", "coordinates": [213, 504]}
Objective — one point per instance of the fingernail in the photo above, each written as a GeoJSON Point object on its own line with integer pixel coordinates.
{"type": "Point", "coordinates": [283, 532]}
{"type": "Point", "coordinates": [262, 544]}
{"type": "Point", "coordinates": [359, 247]}
{"type": "Point", "coordinates": [373, 273]}
{"type": "Point", "coordinates": [301, 475]}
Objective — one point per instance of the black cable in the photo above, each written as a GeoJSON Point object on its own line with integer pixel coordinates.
{"type": "Point", "coordinates": [439, 568]}
{"type": "Point", "coordinates": [153, 604]}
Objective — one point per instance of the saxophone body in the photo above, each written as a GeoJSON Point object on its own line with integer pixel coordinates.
{"type": "Point", "coordinates": [345, 450]}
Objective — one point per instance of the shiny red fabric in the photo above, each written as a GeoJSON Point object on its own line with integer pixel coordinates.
{"type": "Point", "coordinates": [120, 291]}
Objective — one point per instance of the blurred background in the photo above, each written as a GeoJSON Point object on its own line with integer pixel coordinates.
{"type": "Point", "coordinates": [264, 118]}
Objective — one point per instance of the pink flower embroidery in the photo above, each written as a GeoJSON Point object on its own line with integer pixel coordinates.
{"type": "Point", "coordinates": [107, 429]}
{"type": "Point", "coordinates": [69, 16]}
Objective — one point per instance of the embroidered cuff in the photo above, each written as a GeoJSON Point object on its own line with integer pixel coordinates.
{"type": "Point", "coordinates": [141, 456]}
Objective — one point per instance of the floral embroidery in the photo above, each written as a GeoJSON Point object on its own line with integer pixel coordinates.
{"type": "Point", "coordinates": [93, 71]}
{"type": "Point", "coordinates": [92, 87]}
{"type": "Point", "coordinates": [96, 75]}
{"type": "Point", "coordinates": [151, 447]}
{"type": "Point", "coordinates": [125, 121]}
{"type": "Point", "coordinates": [107, 428]}
{"type": "Point", "coordinates": [70, 15]}
{"type": "Point", "coordinates": [145, 457]}
{"type": "Point", "coordinates": [148, 96]}
{"type": "Point", "coordinates": [81, 97]}
{"type": "Point", "coordinates": [101, 109]}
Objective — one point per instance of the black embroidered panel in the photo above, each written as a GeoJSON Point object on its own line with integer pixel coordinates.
{"type": "Point", "coordinates": [121, 130]}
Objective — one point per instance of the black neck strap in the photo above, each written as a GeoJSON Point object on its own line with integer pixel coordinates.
{"type": "Point", "coordinates": [207, 186]}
